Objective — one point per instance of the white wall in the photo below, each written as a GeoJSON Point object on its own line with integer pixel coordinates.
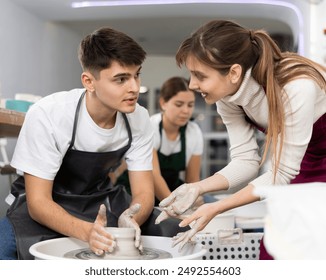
{"type": "Point", "coordinates": [34, 57]}
{"type": "Point", "coordinates": [155, 71]}
{"type": "Point", "coordinates": [34, 54]}
{"type": "Point", "coordinates": [317, 36]}
{"type": "Point", "coordinates": [314, 23]}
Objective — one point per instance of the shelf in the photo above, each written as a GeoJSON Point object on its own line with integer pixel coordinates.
{"type": "Point", "coordinates": [10, 123]}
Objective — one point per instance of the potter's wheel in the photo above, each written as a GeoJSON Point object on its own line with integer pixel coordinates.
{"type": "Point", "coordinates": [58, 248]}
{"type": "Point", "coordinates": [147, 254]}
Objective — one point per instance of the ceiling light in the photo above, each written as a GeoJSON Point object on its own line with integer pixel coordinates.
{"type": "Point", "coordinates": [88, 4]}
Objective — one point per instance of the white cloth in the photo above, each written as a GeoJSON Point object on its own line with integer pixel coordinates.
{"type": "Point", "coordinates": [47, 131]}
{"type": "Point", "coordinates": [306, 104]}
{"type": "Point", "coordinates": [295, 224]}
{"type": "Point", "coordinates": [194, 140]}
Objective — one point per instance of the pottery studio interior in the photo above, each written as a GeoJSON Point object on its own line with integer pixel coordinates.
{"type": "Point", "coordinates": [230, 166]}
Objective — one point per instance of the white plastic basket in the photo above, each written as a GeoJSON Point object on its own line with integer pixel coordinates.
{"type": "Point", "coordinates": [233, 246]}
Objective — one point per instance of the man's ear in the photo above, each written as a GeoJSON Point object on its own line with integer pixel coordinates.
{"type": "Point", "coordinates": [87, 81]}
{"type": "Point", "coordinates": [235, 73]}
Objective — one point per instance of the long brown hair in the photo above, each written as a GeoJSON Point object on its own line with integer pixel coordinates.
{"type": "Point", "coordinates": [221, 43]}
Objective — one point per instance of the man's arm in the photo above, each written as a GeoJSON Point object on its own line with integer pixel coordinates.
{"type": "Point", "coordinates": [193, 169]}
{"type": "Point", "coordinates": [142, 190]}
{"type": "Point", "coordinates": [47, 212]}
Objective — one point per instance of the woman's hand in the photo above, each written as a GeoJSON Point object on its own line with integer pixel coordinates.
{"type": "Point", "coordinates": [199, 202]}
{"type": "Point", "coordinates": [197, 221]}
{"type": "Point", "coordinates": [179, 201]}
{"type": "Point", "coordinates": [126, 220]}
{"type": "Point", "coordinates": [100, 241]}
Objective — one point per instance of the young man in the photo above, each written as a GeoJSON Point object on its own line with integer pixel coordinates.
{"type": "Point", "coordinates": [69, 143]}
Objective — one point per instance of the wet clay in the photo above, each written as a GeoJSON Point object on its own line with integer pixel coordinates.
{"type": "Point", "coordinates": [125, 239]}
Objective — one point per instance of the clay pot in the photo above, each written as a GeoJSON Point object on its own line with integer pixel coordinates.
{"type": "Point", "coordinates": [125, 238]}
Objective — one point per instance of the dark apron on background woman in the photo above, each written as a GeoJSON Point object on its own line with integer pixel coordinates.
{"type": "Point", "coordinates": [313, 165]}
{"type": "Point", "coordinates": [173, 164]}
{"type": "Point", "coordinates": [81, 185]}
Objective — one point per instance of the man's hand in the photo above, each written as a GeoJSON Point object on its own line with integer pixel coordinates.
{"type": "Point", "coordinates": [100, 241]}
{"type": "Point", "coordinates": [126, 220]}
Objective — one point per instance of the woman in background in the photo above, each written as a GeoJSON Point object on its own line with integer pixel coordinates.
{"type": "Point", "coordinates": [254, 85]}
{"type": "Point", "coordinates": [178, 141]}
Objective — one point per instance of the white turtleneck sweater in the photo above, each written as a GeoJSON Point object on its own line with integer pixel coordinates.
{"type": "Point", "coordinates": [305, 105]}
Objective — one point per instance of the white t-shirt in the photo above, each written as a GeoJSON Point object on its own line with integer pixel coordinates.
{"type": "Point", "coordinates": [194, 139]}
{"type": "Point", "coordinates": [306, 103]}
{"type": "Point", "coordinates": [47, 132]}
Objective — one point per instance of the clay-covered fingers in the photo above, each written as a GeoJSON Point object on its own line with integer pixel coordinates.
{"type": "Point", "coordinates": [180, 200]}
{"type": "Point", "coordinates": [163, 216]}
{"type": "Point", "coordinates": [167, 201]}
{"type": "Point", "coordinates": [100, 241]}
{"type": "Point", "coordinates": [183, 238]}
{"type": "Point", "coordinates": [101, 216]}
{"type": "Point", "coordinates": [138, 243]}
{"type": "Point", "coordinates": [133, 209]}
{"type": "Point", "coordinates": [167, 212]}
{"type": "Point", "coordinates": [186, 198]}
{"type": "Point", "coordinates": [126, 220]}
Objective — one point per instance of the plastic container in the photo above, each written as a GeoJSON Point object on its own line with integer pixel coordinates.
{"type": "Point", "coordinates": [27, 97]}
{"type": "Point", "coordinates": [18, 105]}
{"type": "Point", "coordinates": [234, 245]}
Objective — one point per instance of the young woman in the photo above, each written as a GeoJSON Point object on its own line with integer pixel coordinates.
{"type": "Point", "coordinates": [178, 142]}
{"type": "Point", "coordinates": [254, 85]}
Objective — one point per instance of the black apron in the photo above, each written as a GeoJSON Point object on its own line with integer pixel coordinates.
{"type": "Point", "coordinates": [80, 187]}
{"type": "Point", "coordinates": [173, 164]}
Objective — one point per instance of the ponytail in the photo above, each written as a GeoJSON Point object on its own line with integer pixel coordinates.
{"type": "Point", "coordinates": [264, 73]}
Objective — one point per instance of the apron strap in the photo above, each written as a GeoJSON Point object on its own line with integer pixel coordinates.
{"type": "Point", "coordinates": [72, 142]}
{"type": "Point", "coordinates": [128, 128]}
